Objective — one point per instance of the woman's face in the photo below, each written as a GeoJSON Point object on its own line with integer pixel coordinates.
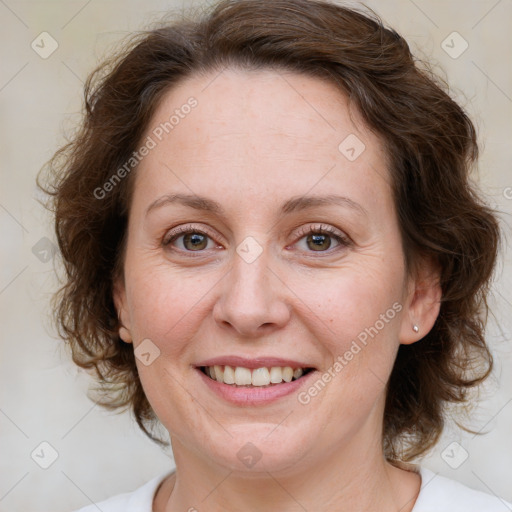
{"type": "Point", "coordinates": [250, 281]}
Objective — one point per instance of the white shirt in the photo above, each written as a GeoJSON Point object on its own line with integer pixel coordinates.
{"type": "Point", "coordinates": [437, 494]}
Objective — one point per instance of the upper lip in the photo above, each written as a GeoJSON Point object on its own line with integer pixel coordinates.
{"type": "Point", "coordinates": [258, 362]}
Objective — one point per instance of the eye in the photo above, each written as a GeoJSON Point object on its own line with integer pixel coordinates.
{"type": "Point", "coordinates": [192, 239]}
{"type": "Point", "coordinates": [318, 238]}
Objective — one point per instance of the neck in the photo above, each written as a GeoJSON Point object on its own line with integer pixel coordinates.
{"type": "Point", "coordinates": [355, 477]}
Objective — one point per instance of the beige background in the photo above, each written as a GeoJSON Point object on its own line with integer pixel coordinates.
{"type": "Point", "coordinates": [42, 395]}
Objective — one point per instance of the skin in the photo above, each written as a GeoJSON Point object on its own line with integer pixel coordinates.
{"type": "Point", "coordinates": [255, 140]}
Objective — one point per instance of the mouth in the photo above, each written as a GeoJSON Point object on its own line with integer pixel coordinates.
{"type": "Point", "coordinates": [263, 377]}
{"type": "Point", "coordinates": [246, 382]}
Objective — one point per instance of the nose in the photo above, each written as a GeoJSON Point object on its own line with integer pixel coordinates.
{"type": "Point", "coordinates": [253, 299]}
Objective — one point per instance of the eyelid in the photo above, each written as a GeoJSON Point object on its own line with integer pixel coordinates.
{"type": "Point", "coordinates": [303, 231]}
{"type": "Point", "coordinates": [322, 228]}
{"type": "Point", "coordinates": [185, 229]}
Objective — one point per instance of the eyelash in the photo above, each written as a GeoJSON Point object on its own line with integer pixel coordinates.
{"type": "Point", "coordinates": [321, 229]}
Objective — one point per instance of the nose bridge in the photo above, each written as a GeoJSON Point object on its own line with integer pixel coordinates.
{"type": "Point", "coordinates": [251, 296]}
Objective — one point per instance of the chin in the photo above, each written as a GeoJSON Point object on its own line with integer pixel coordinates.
{"type": "Point", "coordinates": [258, 448]}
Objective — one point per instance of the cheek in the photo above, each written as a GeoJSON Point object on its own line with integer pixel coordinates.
{"type": "Point", "coordinates": [355, 320]}
{"type": "Point", "coordinates": [165, 303]}
{"type": "Point", "coordinates": [361, 321]}
{"type": "Point", "coordinates": [346, 301]}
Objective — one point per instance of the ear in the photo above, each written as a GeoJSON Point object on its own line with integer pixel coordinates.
{"type": "Point", "coordinates": [120, 302]}
{"type": "Point", "coordinates": [422, 303]}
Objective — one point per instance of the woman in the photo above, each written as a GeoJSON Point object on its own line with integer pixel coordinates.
{"type": "Point", "coordinates": [272, 247]}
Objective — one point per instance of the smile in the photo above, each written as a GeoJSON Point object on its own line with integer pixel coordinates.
{"type": "Point", "coordinates": [257, 377]}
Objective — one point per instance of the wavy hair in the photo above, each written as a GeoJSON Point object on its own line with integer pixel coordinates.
{"type": "Point", "coordinates": [431, 147]}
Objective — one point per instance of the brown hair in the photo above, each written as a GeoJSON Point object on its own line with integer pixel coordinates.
{"type": "Point", "coordinates": [430, 142]}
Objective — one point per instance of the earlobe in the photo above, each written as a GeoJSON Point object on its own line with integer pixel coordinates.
{"type": "Point", "coordinates": [125, 334]}
{"type": "Point", "coordinates": [119, 296]}
{"type": "Point", "coordinates": [423, 305]}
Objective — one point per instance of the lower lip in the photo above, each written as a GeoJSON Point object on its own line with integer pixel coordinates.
{"type": "Point", "coordinates": [239, 395]}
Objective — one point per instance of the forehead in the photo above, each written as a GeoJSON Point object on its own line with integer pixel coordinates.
{"type": "Point", "coordinates": [263, 133]}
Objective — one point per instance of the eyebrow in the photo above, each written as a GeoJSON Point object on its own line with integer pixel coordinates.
{"type": "Point", "coordinates": [294, 204]}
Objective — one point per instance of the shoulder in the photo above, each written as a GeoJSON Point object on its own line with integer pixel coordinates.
{"type": "Point", "coordinates": [140, 500]}
{"type": "Point", "coordinates": [441, 494]}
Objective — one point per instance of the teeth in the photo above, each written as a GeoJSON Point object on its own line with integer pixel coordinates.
{"type": "Point", "coordinates": [297, 373]}
{"type": "Point", "coordinates": [287, 374]}
{"type": "Point", "coordinates": [229, 375]}
{"type": "Point", "coordinates": [219, 373]}
{"type": "Point", "coordinates": [242, 376]}
{"type": "Point", "coordinates": [258, 377]}
{"type": "Point", "coordinates": [276, 375]}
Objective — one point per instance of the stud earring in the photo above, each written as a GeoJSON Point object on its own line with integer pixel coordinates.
{"type": "Point", "coordinates": [415, 328]}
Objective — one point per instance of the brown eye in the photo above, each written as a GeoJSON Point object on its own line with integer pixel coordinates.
{"type": "Point", "coordinates": [188, 240]}
{"type": "Point", "coordinates": [319, 238]}
{"type": "Point", "coordinates": [195, 241]}
{"type": "Point", "coordinates": [318, 242]}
